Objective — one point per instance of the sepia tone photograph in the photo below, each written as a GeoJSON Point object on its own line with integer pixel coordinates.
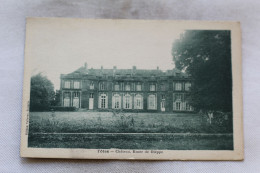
{"type": "Point", "coordinates": [132, 89]}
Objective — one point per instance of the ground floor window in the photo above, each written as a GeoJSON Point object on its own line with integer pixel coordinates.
{"type": "Point", "coordinates": [103, 101]}
{"type": "Point", "coordinates": [127, 102]}
{"type": "Point", "coordinates": [178, 106]}
{"type": "Point", "coordinates": [152, 102]}
{"type": "Point", "coordinates": [66, 100]}
{"type": "Point", "coordinates": [163, 105]}
{"type": "Point", "coordinates": [76, 99]}
{"type": "Point", "coordinates": [188, 107]}
{"type": "Point", "coordinates": [91, 101]}
{"type": "Point", "coordinates": [116, 101]}
{"type": "Point", "coordinates": [138, 102]}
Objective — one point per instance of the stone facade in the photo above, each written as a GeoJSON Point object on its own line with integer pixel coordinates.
{"type": "Point", "coordinates": [128, 89]}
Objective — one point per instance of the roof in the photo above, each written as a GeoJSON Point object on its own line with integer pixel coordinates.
{"type": "Point", "coordinates": [124, 72]}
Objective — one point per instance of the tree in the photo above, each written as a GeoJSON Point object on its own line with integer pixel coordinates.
{"type": "Point", "coordinates": [206, 56]}
{"type": "Point", "coordinates": [42, 93]}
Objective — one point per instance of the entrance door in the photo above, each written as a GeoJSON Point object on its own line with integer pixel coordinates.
{"type": "Point", "coordinates": [91, 103]}
{"type": "Point", "coordinates": [163, 105]}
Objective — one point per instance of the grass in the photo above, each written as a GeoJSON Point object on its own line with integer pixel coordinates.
{"type": "Point", "coordinates": [107, 122]}
{"type": "Point", "coordinates": [106, 130]}
{"type": "Point", "coordinates": [160, 142]}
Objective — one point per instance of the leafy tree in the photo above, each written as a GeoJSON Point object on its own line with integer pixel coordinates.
{"type": "Point", "coordinates": [206, 56]}
{"type": "Point", "coordinates": [42, 93]}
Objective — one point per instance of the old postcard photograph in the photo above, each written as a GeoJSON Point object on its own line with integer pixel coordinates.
{"type": "Point", "coordinates": [132, 89]}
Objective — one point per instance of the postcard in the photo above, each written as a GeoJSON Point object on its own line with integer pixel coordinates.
{"type": "Point", "coordinates": [132, 89]}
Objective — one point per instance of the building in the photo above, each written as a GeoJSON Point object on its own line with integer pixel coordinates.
{"type": "Point", "coordinates": [127, 89]}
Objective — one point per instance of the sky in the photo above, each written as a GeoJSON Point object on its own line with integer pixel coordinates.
{"type": "Point", "coordinates": [55, 47]}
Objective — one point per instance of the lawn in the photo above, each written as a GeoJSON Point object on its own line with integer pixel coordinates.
{"type": "Point", "coordinates": [107, 122]}
{"type": "Point", "coordinates": [175, 131]}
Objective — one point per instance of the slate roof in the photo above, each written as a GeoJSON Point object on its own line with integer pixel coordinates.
{"type": "Point", "coordinates": [124, 72]}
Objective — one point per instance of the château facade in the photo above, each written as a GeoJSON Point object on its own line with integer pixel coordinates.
{"type": "Point", "coordinates": [128, 89]}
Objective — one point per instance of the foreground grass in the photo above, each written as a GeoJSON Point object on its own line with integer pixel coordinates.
{"type": "Point", "coordinates": [106, 130]}
{"type": "Point", "coordinates": [133, 141]}
{"type": "Point", "coordinates": [107, 122]}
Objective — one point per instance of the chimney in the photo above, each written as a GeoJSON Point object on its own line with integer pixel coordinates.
{"type": "Point", "coordinates": [114, 70]}
{"type": "Point", "coordinates": [133, 70]}
{"type": "Point", "coordinates": [157, 67]}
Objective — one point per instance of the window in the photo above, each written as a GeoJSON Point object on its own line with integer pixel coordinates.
{"type": "Point", "coordinates": [163, 96]}
{"type": "Point", "coordinates": [138, 87]}
{"type": "Point", "coordinates": [127, 102]}
{"type": "Point", "coordinates": [66, 100]}
{"type": "Point", "coordinates": [152, 87]}
{"type": "Point", "coordinates": [91, 86]}
{"type": "Point", "coordinates": [187, 107]}
{"type": "Point", "coordinates": [162, 87]}
{"type": "Point", "coordinates": [187, 86]}
{"type": "Point", "coordinates": [76, 99]}
{"type": "Point", "coordinates": [178, 106]}
{"type": "Point", "coordinates": [91, 95]}
{"type": "Point", "coordinates": [152, 102]}
{"type": "Point", "coordinates": [178, 86]}
{"type": "Point", "coordinates": [76, 84]}
{"type": "Point", "coordinates": [116, 101]}
{"type": "Point", "coordinates": [138, 102]}
{"type": "Point", "coordinates": [127, 87]}
{"type": "Point", "coordinates": [76, 94]}
{"type": "Point", "coordinates": [178, 96]}
{"type": "Point", "coordinates": [116, 87]}
{"type": "Point", "coordinates": [102, 86]}
{"type": "Point", "coordinates": [103, 101]}
{"type": "Point", "coordinates": [163, 103]}
{"type": "Point", "coordinates": [67, 84]}
{"type": "Point", "coordinates": [66, 95]}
